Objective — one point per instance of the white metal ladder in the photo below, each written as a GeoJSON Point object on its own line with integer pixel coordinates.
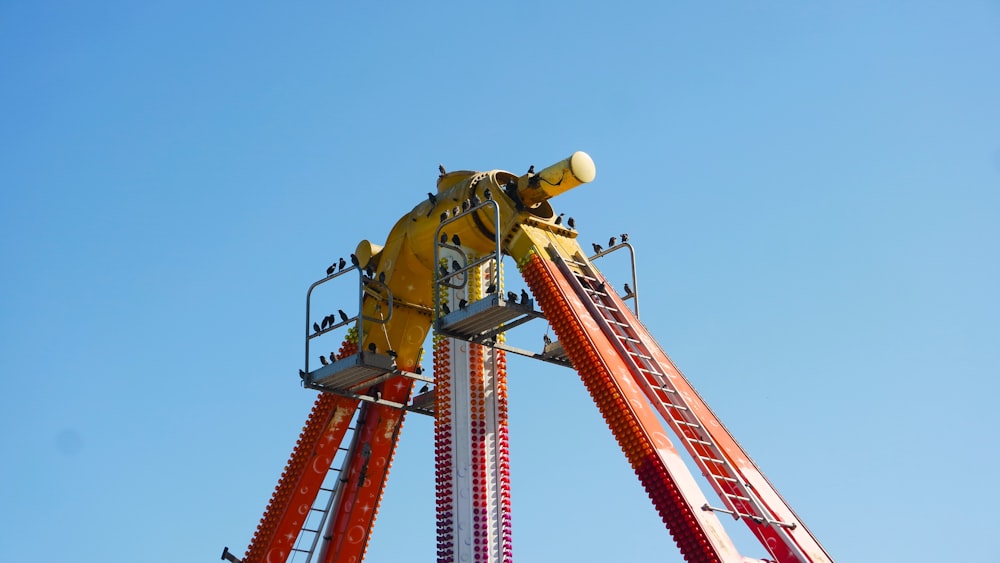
{"type": "Point", "coordinates": [740, 499]}
{"type": "Point", "coordinates": [308, 542]}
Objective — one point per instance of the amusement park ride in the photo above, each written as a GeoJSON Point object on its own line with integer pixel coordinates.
{"type": "Point", "coordinates": [440, 270]}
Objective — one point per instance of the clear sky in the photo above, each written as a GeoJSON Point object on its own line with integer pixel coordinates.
{"type": "Point", "coordinates": [813, 190]}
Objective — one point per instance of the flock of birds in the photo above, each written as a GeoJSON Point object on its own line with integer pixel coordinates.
{"type": "Point", "coordinates": [611, 242]}
{"type": "Point", "coordinates": [474, 200]}
{"type": "Point", "coordinates": [512, 297]}
{"type": "Point", "coordinates": [340, 264]}
{"type": "Point", "coordinates": [327, 360]}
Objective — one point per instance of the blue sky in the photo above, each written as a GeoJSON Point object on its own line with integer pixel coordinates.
{"type": "Point", "coordinates": [813, 190]}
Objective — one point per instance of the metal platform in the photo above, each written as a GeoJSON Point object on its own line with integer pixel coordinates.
{"type": "Point", "coordinates": [353, 373]}
{"type": "Point", "coordinates": [486, 318]}
{"type": "Point", "coordinates": [424, 402]}
{"type": "Point", "coordinates": [555, 351]}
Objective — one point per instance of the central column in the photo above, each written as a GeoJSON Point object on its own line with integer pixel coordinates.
{"type": "Point", "coordinates": [472, 455]}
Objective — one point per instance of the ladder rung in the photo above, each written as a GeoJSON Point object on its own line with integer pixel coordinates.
{"type": "Point", "coordinates": [674, 406]}
{"type": "Point", "coordinates": [711, 459]}
{"type": "Point", "coordinates": [686, 423]}
{"type": "Point", "coordinates": [697, 441]}
{"type": "Point", "coordinates": [654, 379]}
{"type": "Point", "coordinates": [753, 517]}
{"type": "Point", "coordinates": [738, 497]}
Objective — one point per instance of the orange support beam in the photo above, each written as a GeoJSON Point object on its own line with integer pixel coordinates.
{"type": "Point", "coordinates": [698, 534]}
{"type": "Point", "coordinates": [364, 478]}
{"type": "Point", "coordinates": [303, 475]}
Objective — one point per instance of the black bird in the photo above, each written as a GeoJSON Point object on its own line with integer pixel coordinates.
{"type": "Point", "coordinates": [597, 248]}
{"type": "Point", "coordinates": [326, 322]}
{"type": "Point", "coordinates": [512, 297]}
{"type": "Point", "coordinates": [418, 370]}
{"type": "Point", "coordinates": [370, 271]}
{"type": "Point", "coordinates": [378, 397]}
{"type": "Point", "coordinates": [456, 240]}
{"type": "Point", "coordinates": [612, 241]}
{"type": "Point", "coordinates": [444, 238]}
{"type": "Point", "coordinates": [624, 237]}
{"type": "Point", "coordinates": [432, 198]}
{"type": "Point", "coordinates": [531, 169]}
{"type": "Point", "coordinates": [443, 269]}
{"type": "Point", "coordinates": [354, 260]}
{"type": "Point", "coordinates": [316, 327]}
{"type": "Point", "coordinates": [445, 308]}
{"type": "Point", "coordinates": [341, 264]}
{"type": "Point", "coordinates": [600, 287]}
{"type": "Point", "coordinates": [455, 265]}
{"type": "Point", "coordinates": [474, 199]}
{"type": "Point", "coordinates": [381, 277]}
{"type": "Point", "coordinates": [323, 360]}
{"type": "Point", "coordinates": [444, 216]}
{"type": "Point", "coordinates": [492, 288]}
{"type": "Point", "coordinates": [228, 556]}
{"type": "Point", "coordinates": [559, 219]}
{"type": "Point", "coordinates": [343, 315]}
{"type": "Point", "coordinates": [371, 348]}
{"type": "Point", "coordinates": [302, 374]}
{"type": "Point", "coordinates": [628, 290]}
{"type": "Point", "coordinates": [462, 303]}
{"type": "Point", "coordinates": [465, 205]}
{"type": "Point", "coordinates": [525, 297]}
{"type": "Point", "coordinates": [546, 340]}
{"type": "Point", "coordinates": [331, 269]}
{"type": "Point", "coordinates": [441, 169]}
{"type": "Point", "coordinates": [455, 211]}
{"type": "Point", "coordinates": [487, 193]}
{"type": "Point", "coordinates": [393, 354]}
{"type": "Point", "coordinates": [424, 389]}
{"type": "Point", "coordinates": [571, 223]}
{"type": "Point", "coordinates": [333, 357]}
